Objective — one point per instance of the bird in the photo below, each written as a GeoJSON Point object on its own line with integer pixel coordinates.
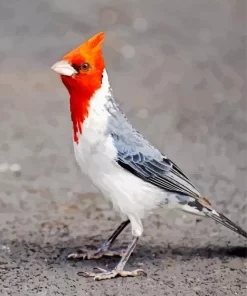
{"type": "Point", "coordinates": [129, 172]}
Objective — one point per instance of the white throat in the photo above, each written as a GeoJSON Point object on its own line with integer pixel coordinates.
{"type": "Point", "coordinates": [98, 116]}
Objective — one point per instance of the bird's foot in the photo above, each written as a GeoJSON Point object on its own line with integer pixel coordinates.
{"type": "Point", "coordinates": [103, 274]}
{"type": "Point", "coordinates": [95, 254]}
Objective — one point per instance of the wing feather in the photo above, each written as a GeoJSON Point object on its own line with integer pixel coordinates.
{"type": "Point", "coordinates": [141, 159]}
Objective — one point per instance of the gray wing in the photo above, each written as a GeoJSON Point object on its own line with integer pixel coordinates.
{"type": "Point", "coordinates": [139, 157]}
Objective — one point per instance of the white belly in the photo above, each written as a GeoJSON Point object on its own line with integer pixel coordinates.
{"type": "Point", "coordinates": [130, 195]}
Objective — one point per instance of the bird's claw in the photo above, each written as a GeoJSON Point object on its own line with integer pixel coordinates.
{"type": "Point", "coordinates": [95, 254]}
{"type": "Point", "coordinates": [104, 274]}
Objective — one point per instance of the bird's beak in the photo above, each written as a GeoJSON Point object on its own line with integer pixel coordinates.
{"type": "Point", "coordinates": [64, 68]}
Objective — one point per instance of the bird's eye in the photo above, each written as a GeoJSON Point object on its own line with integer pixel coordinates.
{"type": "Point", "coordinates": [82, 67]}
{"type": "Point", "coordinates": [85, 66]}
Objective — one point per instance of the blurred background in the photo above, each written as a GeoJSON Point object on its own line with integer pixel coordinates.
{"type": "Point", "coordinates": [178, 69]}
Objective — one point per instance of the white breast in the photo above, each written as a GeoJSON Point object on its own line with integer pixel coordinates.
{"type": "Point", "coordinates": [94, 142]}
{"type": "Point", "coordinates": [96, 156]}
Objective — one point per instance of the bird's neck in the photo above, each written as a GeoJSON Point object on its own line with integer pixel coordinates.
{"type": "Point", "coordinates": [82, 99]}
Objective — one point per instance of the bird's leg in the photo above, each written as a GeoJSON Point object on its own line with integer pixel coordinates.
{"type": "Point", "coordinates": [104, 249]}
{"type": "Point", "coordinates": [103, 274]}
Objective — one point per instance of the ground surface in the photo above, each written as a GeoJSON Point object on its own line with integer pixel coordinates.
{"type": "Point", "coordinates": [178, 71]}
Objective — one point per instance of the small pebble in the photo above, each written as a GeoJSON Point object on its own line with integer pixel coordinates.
{"type": "Point", "coordinates": [15, 167]}
{"type": "Point", "coordinates": [140, 264]}
{"type": "Point", "coordinates": [5, 248]}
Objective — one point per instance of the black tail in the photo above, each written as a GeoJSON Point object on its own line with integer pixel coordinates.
{"type": "Point", "coordinates": [226, 222]}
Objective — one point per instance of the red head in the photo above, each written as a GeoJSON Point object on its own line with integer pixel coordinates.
{"type": "Point", "coordinates": [81, 71]}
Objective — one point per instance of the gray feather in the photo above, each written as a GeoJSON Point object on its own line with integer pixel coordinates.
{"type": "Point", "coordinates": [142, 159]}
{"type": "Point", "coordinates": [137, 155]}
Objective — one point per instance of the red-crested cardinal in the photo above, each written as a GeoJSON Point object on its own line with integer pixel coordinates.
{"type": "Point", "coordinates": [120, 162]}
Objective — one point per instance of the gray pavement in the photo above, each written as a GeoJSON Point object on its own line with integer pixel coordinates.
{"type": "Point", "coordinates": [178, 69]}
